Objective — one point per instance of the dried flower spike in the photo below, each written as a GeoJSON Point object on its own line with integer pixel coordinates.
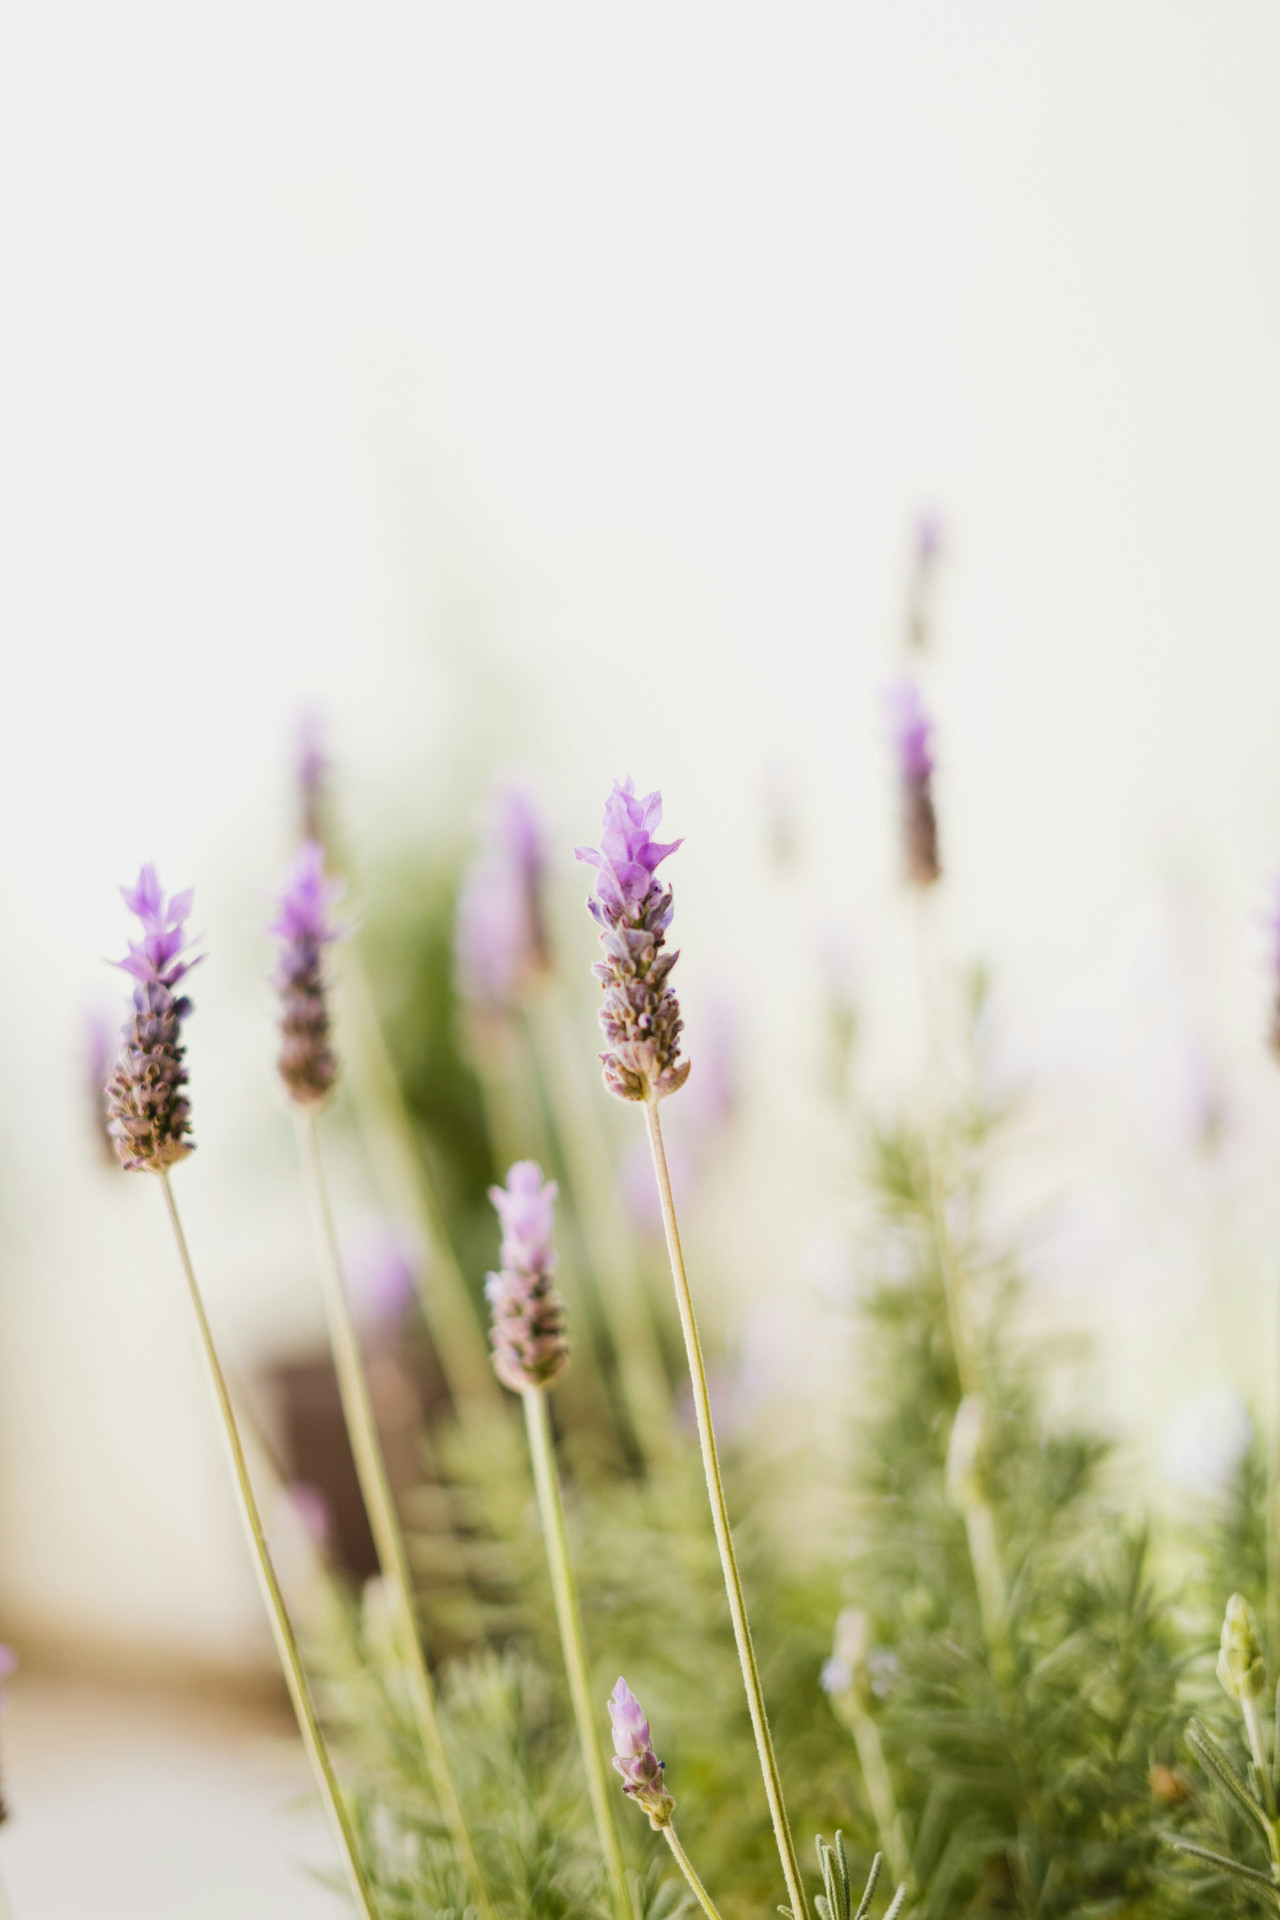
{"type": "Point", "coordinates": [308, 1065]}
{"type": "Point", "coordinates": [912, 734]}
{"type": "Point", "coordinates": [148, 1114]}
{"type": "Point", "coordinates": [501, 943]}
{"type": "Point", "coordinates": [640, 1017]}
{"type": "Point", "coordinates": [635, 1759]}
{"type": "Point", "coordinates": [530, 1344]}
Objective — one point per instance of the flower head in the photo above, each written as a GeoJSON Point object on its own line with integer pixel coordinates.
{"type": "Point", "coordinates": [640, 1017]}
{"type": "Point", "coordinates": [912, 732]}
{"type": "Point", "coordinates": [501, 943]}
{"type": "Point", "coordinates": [635, 1759]}
{"type": "Point", "coordinates": [148, 1114]}
{"type": "Point", "coordinates": [303, 925]}
{"type": "Point", "coordinates": [530, 1344]}
{"type": "Point", "coordinates": [1241, 1667]}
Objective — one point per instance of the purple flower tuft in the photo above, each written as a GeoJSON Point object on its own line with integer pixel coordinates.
{"type": "Point", "coordinates": [635, 1759]}
{"type": "Point", "coordinates": [148, 1114]}
{"type": "Point", "coordinates": [307, 1062]}
{"type": "Point", "coordinates": [641, 1015]}
{"type": "Point", "coordinates": [530, 1344]}
{"type": "Point", "coordinates": [501, 942]}
{"type": "Point", "coordinates": [913, 739]}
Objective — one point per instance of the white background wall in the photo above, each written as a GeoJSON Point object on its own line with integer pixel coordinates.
{"type": "Point", "coordinates": [555, 386]}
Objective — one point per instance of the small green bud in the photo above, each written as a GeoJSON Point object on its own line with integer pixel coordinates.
{"type": "Point", "coordinates": [1241, 1667]}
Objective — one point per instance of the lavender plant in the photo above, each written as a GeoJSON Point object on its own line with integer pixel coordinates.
{"type": "Point", "coordinates": [308, 1068]}
{"type": "Point", "coordinates": [150, 1121]}
{"type": "Point", "coordinates": [641, 1022]}
{"type": "Point", "coordinates": [531, 1351]}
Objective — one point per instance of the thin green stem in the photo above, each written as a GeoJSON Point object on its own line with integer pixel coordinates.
{"type": "Point", "coordinates": [564, 1588]}
{"type": "Point", "coordinates": [397, 1159]}
{"type": "Point", "coordinates": [286, 1644]}
{"type": "Point", "coordinates": [879, 1784]}
{"type": "Point", "coordinates": [720, 1520]}
{"type": "Point", "coordinates": [641, 1374]}
{"type": "Point", "coordinates": [388, 1537]}
{"type": "Point", "coordinates": [686, 1867]}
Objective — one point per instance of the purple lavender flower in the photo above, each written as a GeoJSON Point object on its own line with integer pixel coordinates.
{"type": "Point", "coordinates": [913, 739]}
{"type": "Point", "coordinates": [148, 1114]}
{"type": "Point", "coordinates": [308, 1065]}
{"type": "Point", "coordinates": [635, 1759]}
{"type": "Point", "coordinates": [530, 1344]}
{"type": "Point", "coordinates": [641, 1015]}
{"type": "Point", "coordinates": [501, 942]}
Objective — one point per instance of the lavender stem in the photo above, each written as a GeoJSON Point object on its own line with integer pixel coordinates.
{"type": "Point", "coordinates": [397, 1157]}
{"type": "Point", "coordinates": [375, 1486]}
{"type": "Point", "coordinates": [286, 1644]}
{"type": "Point", "coordinates": [639, 1358]}
{"type": "Point", "coordinates": [720, 1519]}
{"type": "Point", "coordinates": [686, 1867]}
{"type": "Point", "coordinates": [564, 1588]}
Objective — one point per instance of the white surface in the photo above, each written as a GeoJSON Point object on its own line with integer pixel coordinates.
{"type": "Point", "coordinates": [124, 1809]}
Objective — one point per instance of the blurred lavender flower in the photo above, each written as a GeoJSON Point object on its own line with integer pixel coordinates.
{"type": "Point", "coordinates": [501, 943]}
{"type": "Point", "coordinates": [8, 1666]}
{"type": "Point", "coordinates": [926, 554]}
{"type": "Point", "coordinates": [635, 1759]}
{"type": "Point", "coordinates": [382, 1279]}
{"type": "Point", "coordinates": [312, 1510]}
{"type": "Point", "coordinates": [912, 732]}
{"type": "Point", "coordinates": [148, 1112]}
{"type": "Point", "coordinates": [641, 1015]}
{"type": "Point", "coordinates": [312, 771]}
{"type": "Point", "coordinates": [530, 1344]}
{"type": "Point", "coordinates": [307, 1062]}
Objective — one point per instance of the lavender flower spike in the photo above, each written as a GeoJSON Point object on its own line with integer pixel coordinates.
{"type": "Point", "coordinates": [913, 731]}
{"type": "Point", "coordinates": [308, 1065]}
{"type": "Point", "coordinates": [501, 943]}
{"type": "Point", "coordinates": [640, 1017]}
{"type": "Point", "coordinates": [635, 1759]}
{"type": "Point", "coordinates": [530, 1344]}
{"type": "Point", "coordinates": [148, 1114]}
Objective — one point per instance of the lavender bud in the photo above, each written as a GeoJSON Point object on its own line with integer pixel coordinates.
{"type": "Point", "coordinates": [640, 1017]}
{"type": "Point", "coordinates": [912, 731]}
{"type": "Point", "coordinates": [530, 1344]}
{"type": "Point", "coordinates": [635, 1758]}
{"type": "Point", "coordinates": [148, 1114]}
{"type": "Point", "coordinates": [1241, 1667]}
{"type": "Point", "coordinates": [308, 1065]}
{"type": "Point", "coordinates": [501, 943]}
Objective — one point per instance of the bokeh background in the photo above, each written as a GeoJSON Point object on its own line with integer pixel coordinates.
{"type": "Point", "coordinates": [556, 391]}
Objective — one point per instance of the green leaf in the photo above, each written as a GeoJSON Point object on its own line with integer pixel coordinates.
{"type": "Point", "coordinates": [1226, 1865]}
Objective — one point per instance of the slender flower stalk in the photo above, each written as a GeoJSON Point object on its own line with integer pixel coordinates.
{"type": "Point", "coordinates": [847, 1682]}
{"type": "Point", "coordinates": [641, 1022]}
{"type": "Point", "coordinates": [530, 1353]}
{"type": "Point", "coordinates": [149, 1118]}
{"type": "Point", "coordinates": [281, 1626]}
{"type": "Point", "coordinates": [308, 1068]}
{"type": "Point", "coordinates": [644, 1781]}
